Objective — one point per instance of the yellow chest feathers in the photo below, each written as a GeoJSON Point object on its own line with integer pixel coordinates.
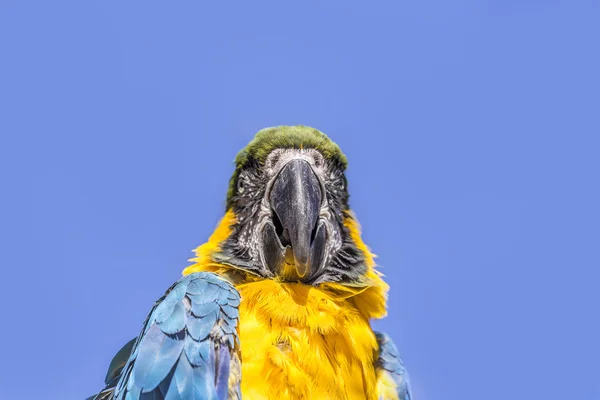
{"type": "Point", "coordinates": [302, 342]}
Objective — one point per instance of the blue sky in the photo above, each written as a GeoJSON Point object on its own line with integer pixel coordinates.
{"type": "Point", "coordinates": [472, 130]}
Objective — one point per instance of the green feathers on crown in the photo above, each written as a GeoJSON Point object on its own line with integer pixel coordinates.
{"type": "Point", "coordinates": [288, 137]}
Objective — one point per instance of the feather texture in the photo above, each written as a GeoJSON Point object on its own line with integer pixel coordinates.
{"type": "Point", "coordinates": [187, 344]}
{"type": "Point", "coordinates": [392, 377]}
{"type": "Point", "coordinates": [303, 342]}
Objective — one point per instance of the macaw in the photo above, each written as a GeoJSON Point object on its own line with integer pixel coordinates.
{"type": "Point", "coordinates": [277, 303]}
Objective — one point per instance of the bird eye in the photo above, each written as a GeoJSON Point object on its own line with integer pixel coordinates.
{"type": "Point", "coordinates": [240, 185]}
{"type": "Point", "coordinates": [343, 183]}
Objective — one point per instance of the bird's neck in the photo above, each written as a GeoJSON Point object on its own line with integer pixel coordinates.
{"type": "Point", "coordinates": [370, 298]}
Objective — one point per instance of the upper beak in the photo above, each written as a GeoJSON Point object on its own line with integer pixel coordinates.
{"type": "Point", "coordinates": [296, 199]}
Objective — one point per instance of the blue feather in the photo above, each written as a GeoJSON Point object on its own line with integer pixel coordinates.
{"type": "Point", "coordinates": [390, 360]}
{"type": "Point", "coordinates": [234, 301]}
{"type": "Point", "coordinates": [222, 367]}
{"type": "Point", "coordinates": [211, 291]}
{"type": "Point", "coordinates": [227, 329]}
{"type": "Point", "coordinates": [223, 284]}
{"type": "Point", "coordinates": [131, 382]}
{"type": "Point", "coordinates": [199, 328]}
{"type": "Point", "coordinates": [176, 294]}
{"type": "Point", "coordinates": [201, 309]}
{"type": "Point", "coordinates": [174, 357]}
{"type": "Point", "coordinates": [176, 321]}
{"type": "Point", "coordinates": [156, 358]}
{"type": "Point", "coordinates": [203, 385]}
{"type": "Point", "coordinates": [133, 395]}
{"type": "Point", "coordinates": [231, 312]}
{"type": "Point", "coordinates": [180, 387]}
{"type": "Point", "coordinates": [199, 353]}
{"type": "Point", "coordinates": [197, 286]}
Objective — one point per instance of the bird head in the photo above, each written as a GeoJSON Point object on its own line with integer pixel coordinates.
{"type": "Point", "coordinates": [288, 216]}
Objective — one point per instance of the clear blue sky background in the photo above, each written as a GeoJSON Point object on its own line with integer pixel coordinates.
{"type": "Point", "coordinates": [472, 130]}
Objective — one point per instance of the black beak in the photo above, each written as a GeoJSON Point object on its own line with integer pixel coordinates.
{"type": "Point", "coordinates": [295, 198]}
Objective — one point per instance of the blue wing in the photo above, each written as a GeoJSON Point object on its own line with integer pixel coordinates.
{"type": "Point", "coordinates": [390, 361]}
{"type": "Point", "coordinates": [188, 348]}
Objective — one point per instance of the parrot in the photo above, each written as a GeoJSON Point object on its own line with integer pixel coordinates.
{"type": "Point", "coordinates": [278, 302]}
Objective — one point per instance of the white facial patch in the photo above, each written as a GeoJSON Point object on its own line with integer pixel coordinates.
{"type": "Point", "coordinates": [279, 157]}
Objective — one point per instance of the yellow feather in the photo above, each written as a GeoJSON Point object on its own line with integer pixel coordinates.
{"type": "Point", "coordinates": [386, 386]}
{"type": "Point", "coordinates": [305, 342]}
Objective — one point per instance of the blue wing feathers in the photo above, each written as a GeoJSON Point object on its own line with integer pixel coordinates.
{"type": "Point", "coordinates": [202, 309]}
{"type": "Point", "coordinates": [231, 312]}
{"type": "Point", "coordinates": [176, 321]}
{"type": "Point", "coordinates": [186, 345]}
{"type": "Point", "coordinates": [389, 359]}
{"type": "Point", "coordinates": [196, 287]}
{"type": "Point", "coordinates": [222, 378]}
{"type": "Point", "coordinates": [157, 356]}
{"type": "Point", "coordinates": [181, 381]}
{"type": "Point", "coordinates": [200, 327]}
